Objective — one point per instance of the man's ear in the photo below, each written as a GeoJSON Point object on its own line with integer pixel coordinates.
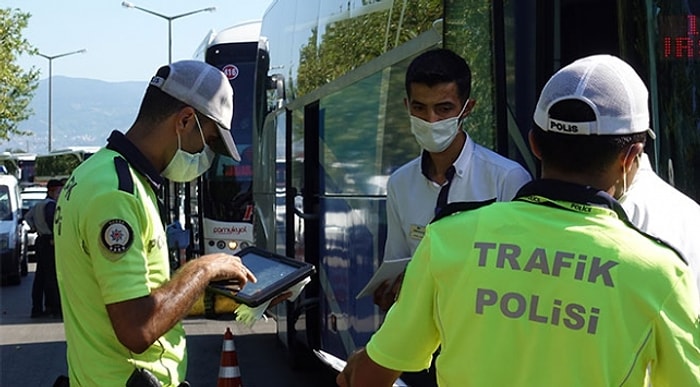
{"type": "Point", "coordinates": [629, 157]}
{"type": "Point", "coordinates": [470, 105]}
{"type": "Point", "coordinates": [184, 119]}
{"type": "Point", "coordinates": [534, 147]}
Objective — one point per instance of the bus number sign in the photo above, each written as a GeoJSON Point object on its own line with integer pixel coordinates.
{"type": "Point", "coordinates": [231, 71]}
{"type": "Point", "coordinates": [680, 37]}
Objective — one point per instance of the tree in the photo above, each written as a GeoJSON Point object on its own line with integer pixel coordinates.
{"type": "Point", "coordinates": [16, 85]}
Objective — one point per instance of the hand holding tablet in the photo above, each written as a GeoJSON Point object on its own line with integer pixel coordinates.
{"type": "Point", "coordinates": [275, 273]}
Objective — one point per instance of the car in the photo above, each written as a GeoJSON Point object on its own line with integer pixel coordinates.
{"type": "Point", "coordinates": [31, 196]}
{"type": "Point", "coordinates": [13, 252]}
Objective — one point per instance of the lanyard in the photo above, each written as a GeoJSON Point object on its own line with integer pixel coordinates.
{"type": "Point", "coordinates": [584, 208]}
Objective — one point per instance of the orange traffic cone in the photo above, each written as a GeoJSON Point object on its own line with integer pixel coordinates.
{"type": "Point", "coordinates": [229, 373]}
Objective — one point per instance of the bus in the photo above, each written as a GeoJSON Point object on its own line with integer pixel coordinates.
{"type": "Point", "coordinates": [59, 164]}
{"type": "Point", "coordinates": [20, 165]}
{"type": "Point", "coordinates": [220, 205]}
{"type": "Point", "coordinates": [341, 128]}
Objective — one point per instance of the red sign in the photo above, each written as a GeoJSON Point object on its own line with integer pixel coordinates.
{"type": "Point", "coordinates": [231, 71]}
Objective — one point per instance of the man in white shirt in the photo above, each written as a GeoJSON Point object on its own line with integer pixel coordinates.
{"type": "Point", "coordinates": [452, 167]}
{"type": "Point", "coordinates": [660, 210]}
{"type": "Point", "coordinates": [438, 84]}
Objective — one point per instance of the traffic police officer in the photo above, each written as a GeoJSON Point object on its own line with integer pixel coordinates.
{"type": "Point", "coordinates": [122, 309]}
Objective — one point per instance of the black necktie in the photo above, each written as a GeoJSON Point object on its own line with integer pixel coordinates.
{"type": "Point", "coordinates": [445, 190]}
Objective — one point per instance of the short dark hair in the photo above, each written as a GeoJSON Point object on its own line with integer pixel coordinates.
{"type": "Point", "coordinates": [157, 105]}
{"type": "Point", "coordinates": [580, 153]}
{"type": "Point", "coordinates": [440, 66]}
{"type": "Point", "coordinates": [54, 183]}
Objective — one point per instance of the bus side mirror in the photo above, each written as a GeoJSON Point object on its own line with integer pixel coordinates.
{"type": "Point", "coordinates": [276, 97]}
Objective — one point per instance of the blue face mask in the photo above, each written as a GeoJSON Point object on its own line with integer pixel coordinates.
{"type": "Point", "coordinates": [184, 166]}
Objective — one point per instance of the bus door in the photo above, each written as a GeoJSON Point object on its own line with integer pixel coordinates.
{"type": "Point", "coordinates": [297, 323]}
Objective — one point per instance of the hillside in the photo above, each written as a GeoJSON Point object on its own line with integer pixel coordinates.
{"type": "Point", "coordinates": [84, 112]}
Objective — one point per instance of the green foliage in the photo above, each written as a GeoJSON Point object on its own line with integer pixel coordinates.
{"type": "Point", "coordinates": [16, 85]}
{"type": "Point", "coordinates": [56, 166]}
{"type": "Point", "coordinates": [349, 43]}
{"type": "Point", "coordinates": [468, 33]}
{"type": "Point", "coordinates": [365, 132]}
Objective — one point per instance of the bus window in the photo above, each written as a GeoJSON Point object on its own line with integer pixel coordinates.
{"type": "Point", "coordinates": [20, 165]}
{"type": "Point", "coordinates": [60, 164]}
{"type": "Point", "coordinates": [343, 64]}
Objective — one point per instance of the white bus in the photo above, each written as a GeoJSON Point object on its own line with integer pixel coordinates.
{"type": "Point", "coordinates": [59, 164]}
{"type": "Point", "coordinates": [20, 165]}
{"type": "Point", "coordinates": [221, 204]}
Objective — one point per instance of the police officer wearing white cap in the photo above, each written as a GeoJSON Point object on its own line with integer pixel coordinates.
{"type": "Point", "coordinates": [651, 204]}
{"type": "Point", "coordinates": [121, 308]}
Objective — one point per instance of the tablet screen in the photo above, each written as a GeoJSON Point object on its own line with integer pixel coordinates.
{"type": "Point", "coordinates": [275, 273]}
{"type": "Point", "coordinates": [266, 270]}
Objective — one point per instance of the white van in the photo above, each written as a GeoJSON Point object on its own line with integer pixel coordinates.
{"type": "Point", "coordinates": [13, 256]}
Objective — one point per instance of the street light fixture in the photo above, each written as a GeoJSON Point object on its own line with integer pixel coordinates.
{"type": "Point", "coordinates": [170, 19]}
{"type": "Point", "coordinates": [51, 58]}
{"type": "Point", "coordinates": [127, 4]}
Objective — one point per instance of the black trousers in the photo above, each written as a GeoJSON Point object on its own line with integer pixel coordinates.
{"type": "Point", "coordinates": [45, 287]}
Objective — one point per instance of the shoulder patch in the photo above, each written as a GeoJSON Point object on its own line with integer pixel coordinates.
{"type": "Point", "coordinates": [117, 236]}
{"type": "Point", "coordinates": [455, 207]}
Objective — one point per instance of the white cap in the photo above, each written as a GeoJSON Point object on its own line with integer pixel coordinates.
{"type": "Point", "coordinates": [207, 90]}
{"type": "Point", "coordinates": [609, 86]}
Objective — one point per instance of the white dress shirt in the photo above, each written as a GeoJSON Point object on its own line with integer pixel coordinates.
{"type": "Point", "coordinates": [660, 210]}
{"type": "Point", "coordinates": [480, 174]}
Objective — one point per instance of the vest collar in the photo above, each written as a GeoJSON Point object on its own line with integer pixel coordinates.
{"type": "Point", "coordinates": [118, 142]}
{"type": "Point", "coordinates": [573, 193]}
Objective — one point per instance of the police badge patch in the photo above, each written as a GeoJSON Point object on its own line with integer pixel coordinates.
{"type": "Point", "coordinates": [117, 236]}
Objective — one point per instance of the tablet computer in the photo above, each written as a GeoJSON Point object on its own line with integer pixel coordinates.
{"type": "Point", "coordinates": [275, 273]}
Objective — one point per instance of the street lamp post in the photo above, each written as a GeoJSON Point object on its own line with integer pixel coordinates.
{"type": "Point", "coordinates": [170, 22]}
{"type": "Point", "coordinates": [166, 191]}
{"type": "Point", "coordinates": [51, 58]}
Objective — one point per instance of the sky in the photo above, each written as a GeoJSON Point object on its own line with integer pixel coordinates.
{"type": "Point", "coordinates": [123, 44]}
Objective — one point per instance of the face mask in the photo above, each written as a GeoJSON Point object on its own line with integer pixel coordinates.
{"type": "Point", "coordinates": [436, 136]}
{"type": "Point", "coordinates": [186, 166]}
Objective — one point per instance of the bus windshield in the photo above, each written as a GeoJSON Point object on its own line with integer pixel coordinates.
{"type": "Point", "coordinates": [228, 189]}
{"type": "Point", "coordinates": [227, 185]}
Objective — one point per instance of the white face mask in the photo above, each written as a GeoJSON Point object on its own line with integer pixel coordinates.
{"type": "Point", "coordinates": [436, 136]}
{"type": "Point", "coordinates": [184, 166]}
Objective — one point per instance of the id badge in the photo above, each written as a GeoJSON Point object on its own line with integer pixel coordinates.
{"type": "Point", "coordinates": [416, 232]}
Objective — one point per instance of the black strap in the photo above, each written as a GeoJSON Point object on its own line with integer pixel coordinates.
{"type": "Point", "coordinates": [445, 190]}
{"type": "Point", "coordinates": [61, 381]}
{"type": "Point", "coordinates": [455, 207]}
